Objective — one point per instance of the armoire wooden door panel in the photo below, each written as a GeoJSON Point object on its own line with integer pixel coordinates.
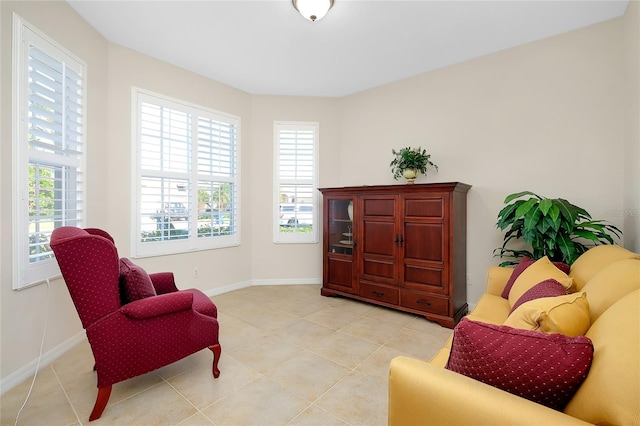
{"type": "Point", "coordinates": [378, 254]}
{"type": "Point", "coordinates": [379, 230]}
{"type": "Point", "coordinates": [340, 274]}
{"type": "Point", "coordinates": [424, 207]}
{"type": "Point", "coordinates": [377, 238]}
{"type": "Point", "coordinates": [425, 241]}
{"type": "Point", "coordinates": [417, 277]}
{"type": "Point", "coordinates": [379, 207]}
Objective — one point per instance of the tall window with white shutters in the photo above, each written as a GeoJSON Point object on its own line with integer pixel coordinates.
{"type": "Point", "coordinates": [186, 177]}
{"type": "Point", "coordinates": [295, 182]}
{"type": "Point", "coordinates": [48, 158]}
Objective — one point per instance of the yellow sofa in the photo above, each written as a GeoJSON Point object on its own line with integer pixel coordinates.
{"type": "Point", "coordinates": [425, 393]}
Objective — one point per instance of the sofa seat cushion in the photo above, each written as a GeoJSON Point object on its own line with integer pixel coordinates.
{"type": "Point", "coordinates": [594, 260]}
{"type": "Point", "coordinates": [611, 392]}
{"type": "Point", "coordinates": [544, 368]}
{"type": "Point", "coordinates": [540, 271]}
{"type": "Point", "coordinates": [491, 309]}
{"type": "Point", "coordinates": [611, 284]}
{"type": "Point", "coordinates": [568, 315]}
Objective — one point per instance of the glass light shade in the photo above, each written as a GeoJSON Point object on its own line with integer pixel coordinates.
{"type": "Point", "coordinates": [313, 9]}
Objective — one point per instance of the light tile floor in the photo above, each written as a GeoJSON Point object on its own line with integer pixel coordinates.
{"type": "Point", "coordinates": [289, 357]}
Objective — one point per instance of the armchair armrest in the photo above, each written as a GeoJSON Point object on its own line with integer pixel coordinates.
{"type": "Point", "coordinates": [497, 277]}
{"type": "Point", "coordinates": [163, 282]}
{"type": "Point", "coordinates": [424, 394]}
{"type": "Point", "coordinates": [156, 306]}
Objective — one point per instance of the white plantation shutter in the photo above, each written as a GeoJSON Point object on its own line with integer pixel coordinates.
{"type": "Point", "coordinates": [187, 186]}
{"type": "Point", "coordinates": [295, 212]}
{"type": "Point", "coordinates": [49, 98]}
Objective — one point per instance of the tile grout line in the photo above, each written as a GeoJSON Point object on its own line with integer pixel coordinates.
{"type": "Point", "coordinates": [188, 401]}
{"type": "Point", "coordinates": [66, 395]}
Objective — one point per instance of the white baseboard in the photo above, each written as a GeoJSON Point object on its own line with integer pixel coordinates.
{"type": "Point", "coordinates": [289, 281]}
{"type": "Point", "coordinates": [27, 371]}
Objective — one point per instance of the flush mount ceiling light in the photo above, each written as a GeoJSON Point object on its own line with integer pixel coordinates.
{"type": "Point", "coordinates": [313, 9]}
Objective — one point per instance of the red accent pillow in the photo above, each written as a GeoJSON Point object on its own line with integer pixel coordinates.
{"type": "Point", "coordinates": [524, 263]}
{"type": "Point", "coordinates": [135, 283]}
{"type": "Point", "coordinates": [546, 288]}
{"type": "Point", "coordinates": [544, 368]}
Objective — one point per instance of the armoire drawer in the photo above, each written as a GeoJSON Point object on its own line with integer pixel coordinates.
{"type": "Point", "coordinates": [379, 292]}
{"type": "Point", "coordinates": [424, 302]}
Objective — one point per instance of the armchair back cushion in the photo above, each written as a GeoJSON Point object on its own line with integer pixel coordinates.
{"type": "Point", "coordinates": [78, 252]}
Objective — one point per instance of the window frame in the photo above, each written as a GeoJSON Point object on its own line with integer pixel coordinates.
{"type": "Point", "coordinates": [25, 273]}
{"type": "Point", "coordinates": [141, 249]}
{"type": "Point", "coordinates": [295, 237]}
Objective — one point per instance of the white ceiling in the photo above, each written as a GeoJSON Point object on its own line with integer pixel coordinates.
{"type": "Point", "coordinates": [266, 47]}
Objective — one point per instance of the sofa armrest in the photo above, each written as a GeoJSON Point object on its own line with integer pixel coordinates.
{"type": "Point", "coordinates": [424, 394]}
{"type": "Point", "coordinates": [497, 277]}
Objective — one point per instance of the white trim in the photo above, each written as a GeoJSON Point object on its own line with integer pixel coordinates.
{"type": "Point", "coordinates": [150, 249]}
{"type": "Point", "coordinates": [287, 281]}
{"type": "Point", "coordinates": [24, 274]}
{"type": "Point", "coordinates": [25, 372]}
{"type": "Point", "coordinates": [295, 238]}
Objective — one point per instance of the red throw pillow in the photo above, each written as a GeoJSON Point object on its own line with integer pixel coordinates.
{"type": "Point", "coordinates": [135, 283]}
{"type": "Point", "coordinates": [524, 263]}
{"type": "Point", "coordinates": [544, 368]}
{"type": "Point", "coordinates": [546, 288]}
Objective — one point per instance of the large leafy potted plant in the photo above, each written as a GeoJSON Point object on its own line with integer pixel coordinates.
{"type": "Point", "coordinates": [552, 227]}
{"type": "Point", "coordinates": [410, 162]}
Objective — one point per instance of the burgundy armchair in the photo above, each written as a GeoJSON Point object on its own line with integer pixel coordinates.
{"type": "Point", "coordinates": [132, 329]}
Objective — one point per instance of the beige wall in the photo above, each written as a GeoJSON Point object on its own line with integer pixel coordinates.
{"type": "Point", "coordinates": [543, 117]}
{"type": "Point", "coordinates": [127, 69]}
{"type": "Point", "coordinates": [548, 117]}
{"type": "Point", "coordinates": [631, 44]}
{"type": "Point", "coordinates": [289, 262]}
{"type": "Point", "coordinates": [23, 312]}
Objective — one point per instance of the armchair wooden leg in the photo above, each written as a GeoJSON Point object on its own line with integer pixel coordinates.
{"type": "Point", "coordinates": [101, 402]}
{"type": "Point", "coordinates": [216, 349]}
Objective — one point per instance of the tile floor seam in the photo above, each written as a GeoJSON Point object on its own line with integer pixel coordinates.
{"type": "Point", "coordinates": [319, 408]}
{"type": "Point", "coordinates": [66, 395]}
{"type": "Point", "coordinates": [188, 400]}
{"type": "Point", "coordinates": [260, 375]}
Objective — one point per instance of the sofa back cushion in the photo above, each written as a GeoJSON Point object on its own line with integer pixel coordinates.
{"type": "Point", "coordinates": [611, 284]}
{"type": "Point", "coordinates": [594, 260]}
{"type": "Point", "coordinates": [611, 392]}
